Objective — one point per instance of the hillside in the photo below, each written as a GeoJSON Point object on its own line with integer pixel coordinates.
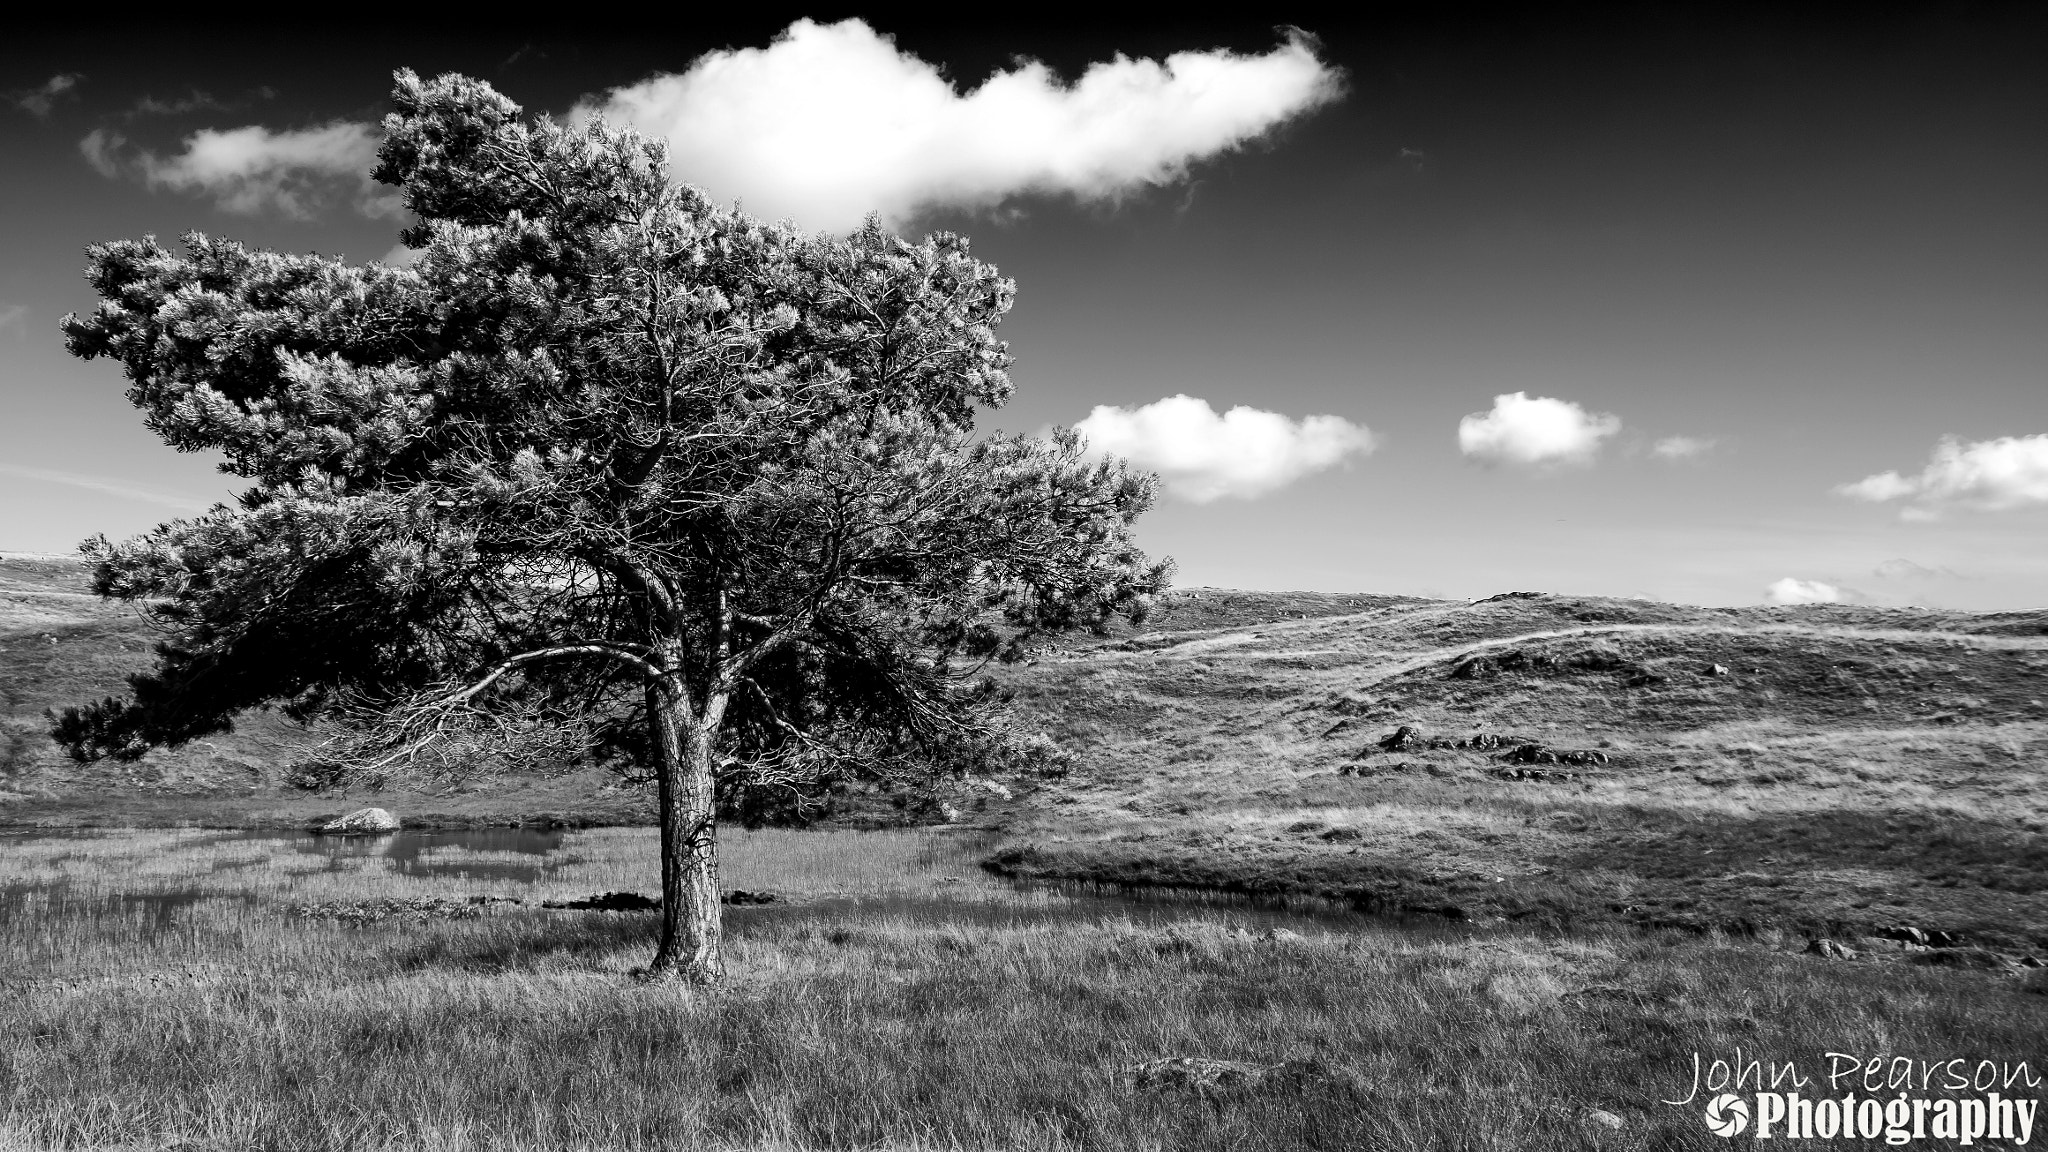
{"type": "Point", "coordinates": [61, 645]}
{"type": "Point", "coordinates": [1568, 760]}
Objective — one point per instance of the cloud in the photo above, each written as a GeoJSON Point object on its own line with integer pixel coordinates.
{"type": "Point", "coordinates": [1901, 568]}
{"type": "Point", "coordinates": [1203, 456]}
{"type": "Point", "coordinates": [833, 121]}
{"type": "Point", "coordinates": [41, 100]}
{"type": "Point", "coordinates": [109, 487]}
{"type": "Point", "coordinates": [252, 169]}
{"type": "Point", "coordinates": [196, 101]}
{"type": "Point", "coordinates": [1681, 447]}
{"type": "Point", "coordinates": [1988, 475]}
{"type": "Point", "coordinates": [14, 318]}
{"type": "Point", "coordinates": [1535, 431]}
{"type": "Point", "coordinates": [1792, 590]}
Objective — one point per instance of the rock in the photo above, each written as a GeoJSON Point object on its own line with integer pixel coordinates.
{"type": "Point", "coordinates": [1343, 835]}
{"type": "Point", "coordinates": [1829, 950]}
{"type": "Point", "coordinates": [1475, 668]}
{"type": "Point", "coordinates": [1538, 754]}
{"type": "Point", "coordinates": [1403, 739]}
{"type": "Point", "coordinates": [1906, 933]}
{"type": "Point", "coordinates": [1719, 670]}
{"type": "Point", "coordinates": [1977, 959]}
{"type": "Point", "coordinates": [949, 814]}
{"type": "Point", "coordinates": [607, 902]}
{"type": "Point", "coordinates": [1210, 1078]}
{"type": "Point", "coordinates": [1537, 774]}
{"type": "Point", "coordinates": [1936, 938]}
{"type": "Point", "coordinates": [1600, 1119]}
{"type": "Point", "coordinates": [362, 820]}
{"type": "Point", "coordinates": [996, 788]}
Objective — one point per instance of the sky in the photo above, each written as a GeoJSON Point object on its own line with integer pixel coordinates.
{"type": "Point", "coordinates": [1677, 303]}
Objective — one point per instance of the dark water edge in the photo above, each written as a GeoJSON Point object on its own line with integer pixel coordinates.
{"type": "Point", "coordinates": [413, 851]}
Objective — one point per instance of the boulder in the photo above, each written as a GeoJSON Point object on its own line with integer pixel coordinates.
{"type": "Point", "coordinates": [1402, 740]}
{"type": "Point", "coordinates": [362, 820]}
{"type": "Point", "coordinates": [1827, 949]}
{"type": "Point", "coordinates": [1719, 670]}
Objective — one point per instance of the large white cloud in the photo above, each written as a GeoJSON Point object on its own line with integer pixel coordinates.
{"type": "Point", "coordinates": [1988, 475]}
{"type": "Point", "coordinates": [833, 121]}
{"type": "Point", "coordinates": [254, 169]}
{"type": "Point", "coordinates": [1534, 430]}
{"type": "Point", "coordinates": [1203, 456]}
{"type": "Point", "coordinates": [1792, 590]}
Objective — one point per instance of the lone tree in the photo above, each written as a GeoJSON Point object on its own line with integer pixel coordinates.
{"type": "Point", "coordinates": [605, 454]}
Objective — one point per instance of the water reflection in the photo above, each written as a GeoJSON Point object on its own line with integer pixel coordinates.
{"type": "Point", "coordinates": [434, 851]}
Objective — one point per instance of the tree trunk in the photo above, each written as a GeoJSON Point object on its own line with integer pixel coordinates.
{"type": "Point", "coordinates": [690, 924]}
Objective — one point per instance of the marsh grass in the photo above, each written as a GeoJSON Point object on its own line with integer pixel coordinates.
{"type": "Point", "coordinates": [160, 995]}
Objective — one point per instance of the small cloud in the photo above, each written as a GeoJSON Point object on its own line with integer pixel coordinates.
{"type": "Point", "coordinates": [252, 169]}
{"type": "Point", "coordinates": [1202, 456]}
{"type": "Point", "coordinates": [40, 101]}
{"type": "Point", "coordinates": [1792, 590]}
{"type": "Point", "coordinates": [830, 122]}
{"type": "Point", "coordinates": [107, 486]}
{"type": "Point", "coordinates": [1682, 447]}
{"type": "Point", "coordinates": [195, 101]}
{"type": "Point", "coordinates": [1987, 476]}
{"type": "Point", "coordinates": [14, 318]}
{"type": "Point", "coordinates": [1535, 431]}
{"type": "Point", "coordinates": [1901, 568]}
{"type": "Point", "coordinates": [402, 257]}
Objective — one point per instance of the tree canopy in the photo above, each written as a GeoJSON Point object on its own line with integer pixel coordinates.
{"type": "Point", "coordinates": [604, 449]}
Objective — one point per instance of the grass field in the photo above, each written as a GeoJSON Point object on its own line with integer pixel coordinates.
{"type": "Point", "coordinates": [1546, 936]}
{"type": "Point", "coordinates": [163, 993]}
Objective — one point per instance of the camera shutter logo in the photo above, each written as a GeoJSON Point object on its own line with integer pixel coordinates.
{"type": "Point", "coordinates": [1727, 1115]}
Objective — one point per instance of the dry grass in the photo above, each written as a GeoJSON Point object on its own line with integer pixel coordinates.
{"type": "Point", "coordinates": [164, 998]}
{"type": "Point", "coordinates": [1846, 770]}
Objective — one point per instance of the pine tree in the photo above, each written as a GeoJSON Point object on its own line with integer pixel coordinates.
{"type": "Point", "coordinates": [605, 451]}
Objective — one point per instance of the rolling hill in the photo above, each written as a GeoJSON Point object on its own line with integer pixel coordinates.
{"type": "Point", "coordinates": [1560, 760]}
{"type": "Point", "coordinates": [1529, 758]}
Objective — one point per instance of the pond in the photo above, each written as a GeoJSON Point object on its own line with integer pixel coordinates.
{"type": "Point", "coordinates": [920, 875]}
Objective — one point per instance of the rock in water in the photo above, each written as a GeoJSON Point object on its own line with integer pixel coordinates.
{"type": "Point", "coordinates": [363, 820]}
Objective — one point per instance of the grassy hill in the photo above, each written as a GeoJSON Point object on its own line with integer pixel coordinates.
{"type": "Point", "coordinates": [59, 645]}
{"type": "Point", "coordinates": [1569, 761]}
{"type": "Point", "coordinates": [1832, 769]}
